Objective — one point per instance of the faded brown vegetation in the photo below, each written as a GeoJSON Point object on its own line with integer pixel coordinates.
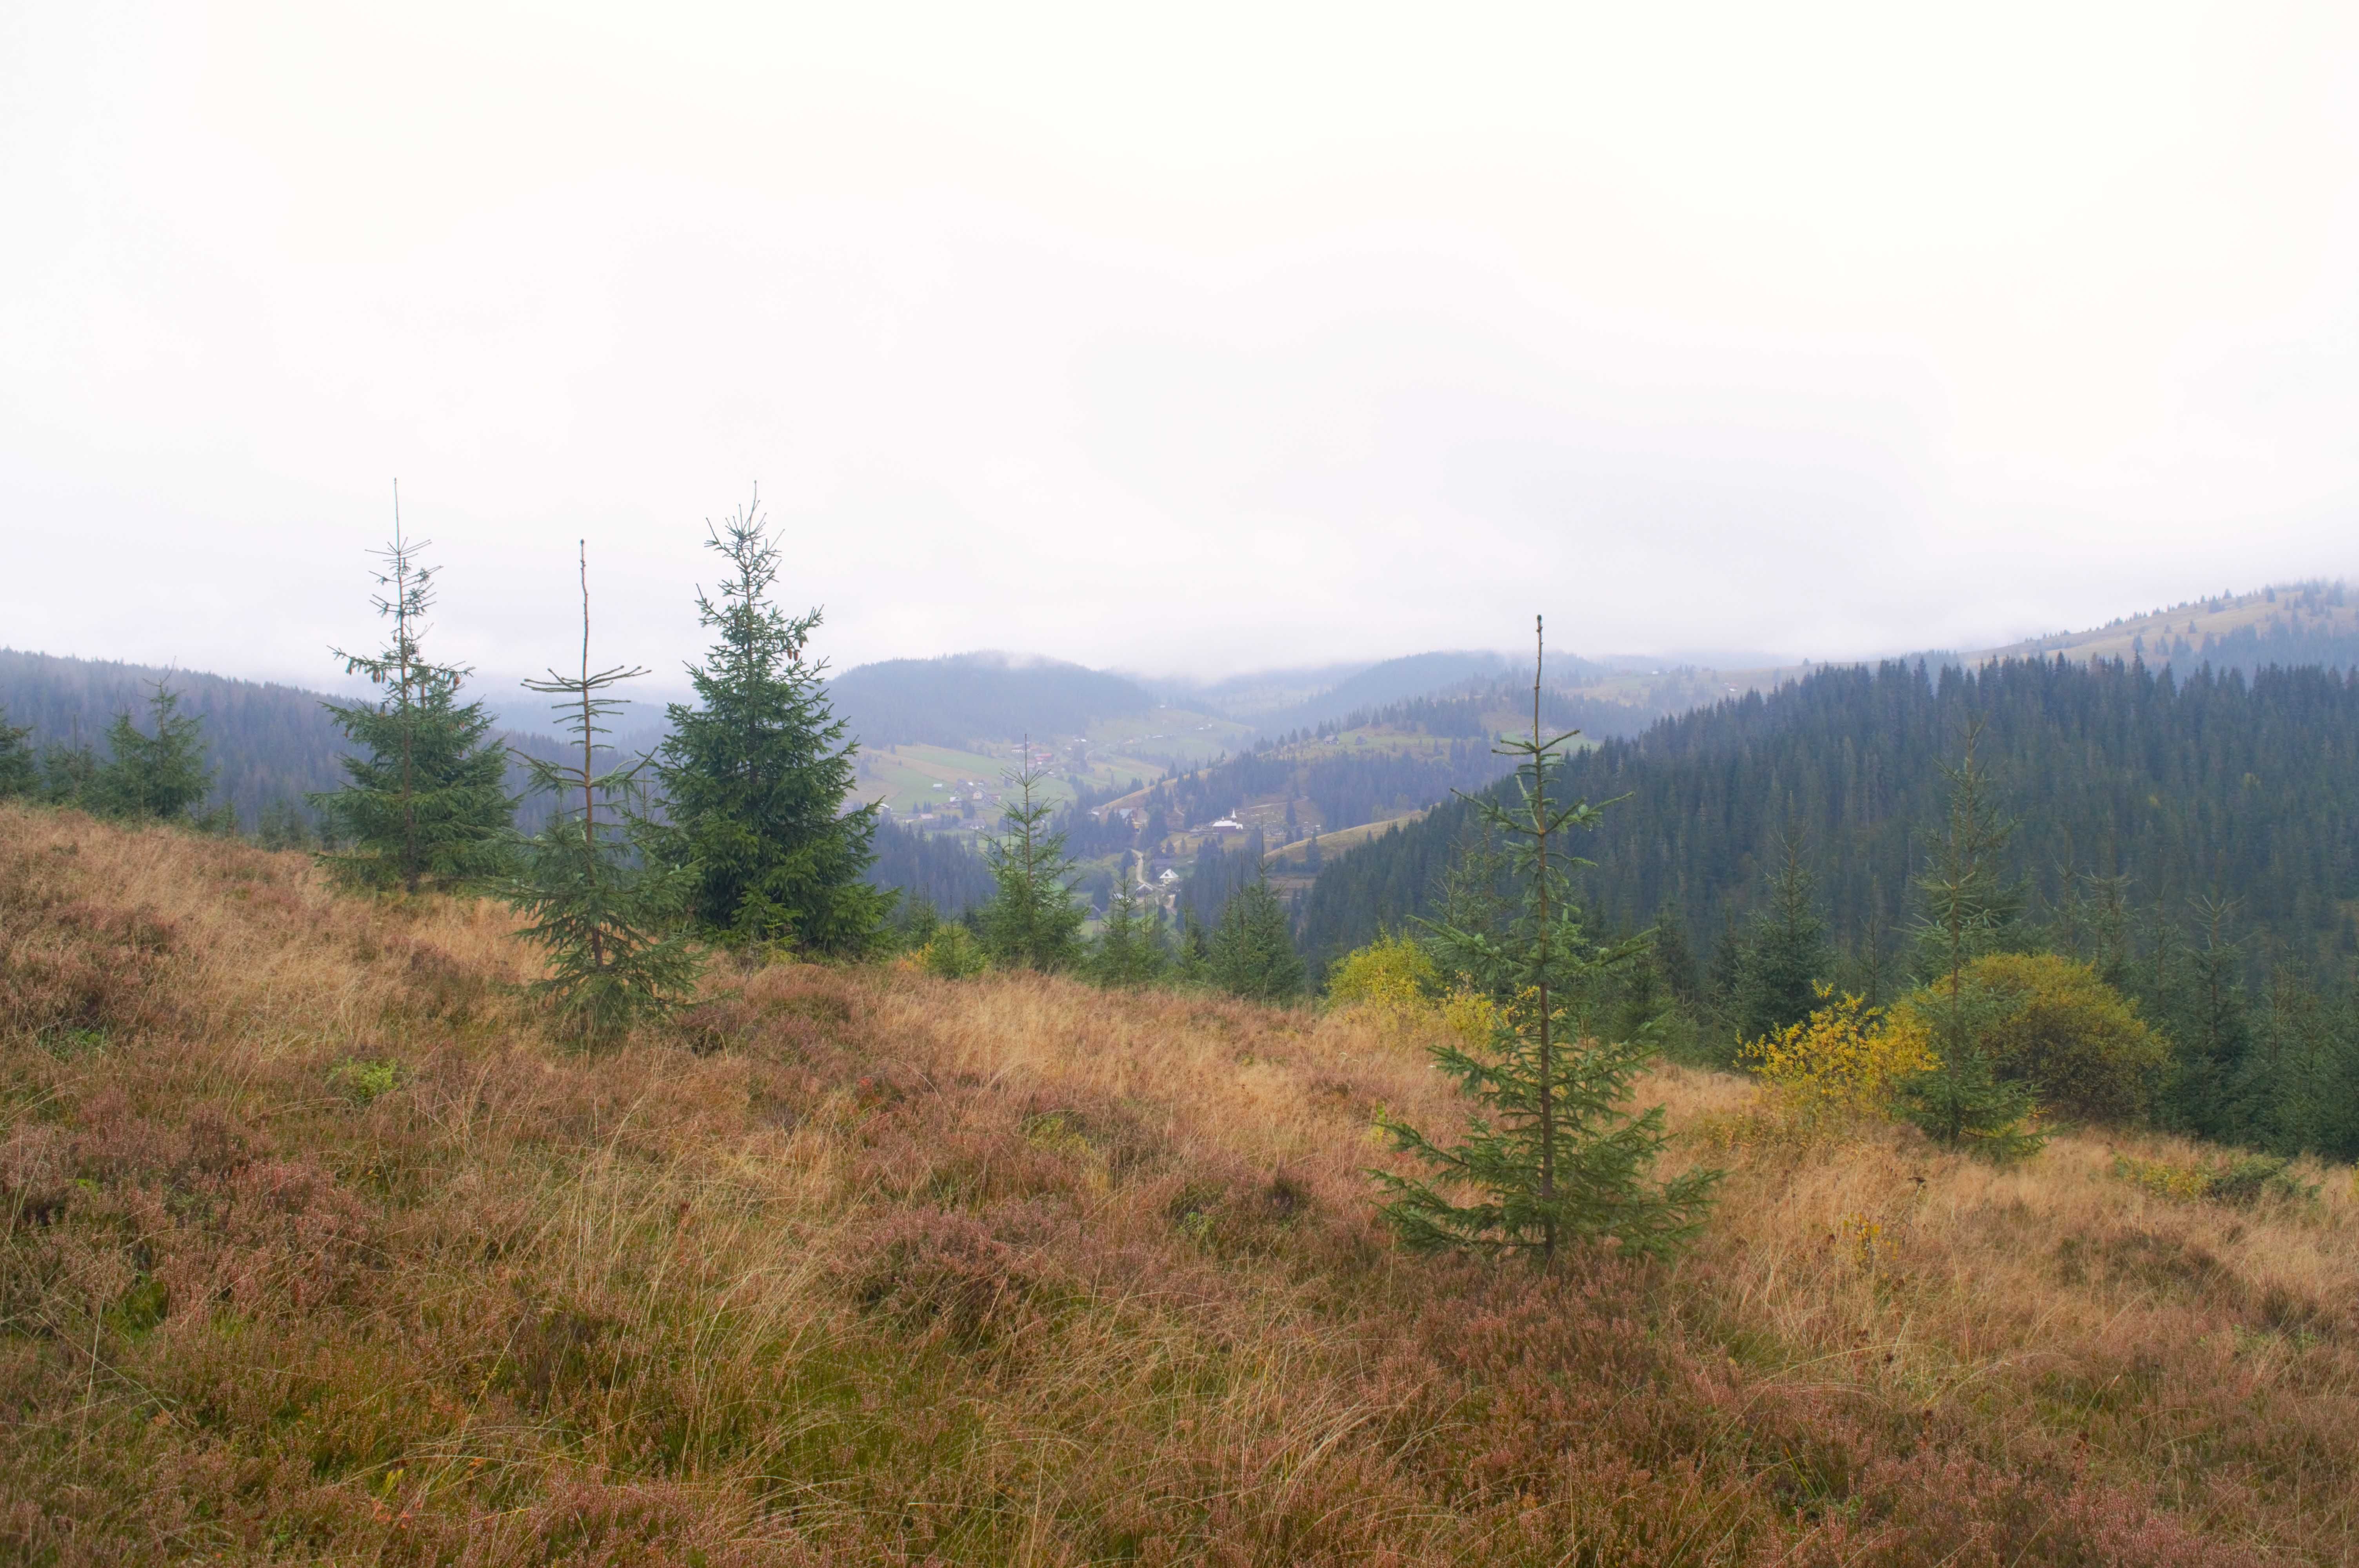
{"type": "Point", "coordinates": [312, 1249]}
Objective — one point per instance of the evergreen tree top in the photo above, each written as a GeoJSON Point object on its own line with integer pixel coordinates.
{"type": "Point", "coordinates": [582, 708]}
{"type": "Point", "coordinates": [405, 593]}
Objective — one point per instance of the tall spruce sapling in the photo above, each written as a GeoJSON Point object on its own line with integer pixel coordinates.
{"type": "Point", "coordinates": [1674, 960]}
{"type": "Point", "coordinates": [606, 916]}
{"type": "Point", "coordinates": [755, 775]}
{"type": "Point", "coordinates": [1966, 910]}
{"type": "Point", "coordinates": [1193, 962]}
{"type": "Point", "coordinates": [2209, 1023]}
{"type": "Point", "coordinates": [161, 777]}
{"type": "Point", "coordinates": [1556, 1158]}
{"type": "Point", "coordinates": [1252, 951]}
{"type": "Point", "coordinates": [21, 770]}
{"type": "Point", "coordinates": [1787, 957]}
{"type": "Point", "coordinates": [424, 801]}
{"type": "Point", "coordinates": [70, 773]}
{"type": "Point", "coordinates": [1130, 949]}
{"type": "Point", "coordinates": [1032, 920]}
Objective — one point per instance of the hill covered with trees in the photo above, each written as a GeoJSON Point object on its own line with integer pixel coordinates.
{"type": "Point", "coordinates": [2215, 786]}
{"type": "Point", "coordinates": [270, 744]}
{"type": "Point", "coordinates": [964, 697]}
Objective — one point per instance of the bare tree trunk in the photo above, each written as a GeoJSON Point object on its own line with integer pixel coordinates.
{"type": "Point", "coordinates": [1548, 1043]}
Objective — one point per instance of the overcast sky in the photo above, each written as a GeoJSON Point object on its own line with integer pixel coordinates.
{"type": "Point", "coordinates": [1188, 338]}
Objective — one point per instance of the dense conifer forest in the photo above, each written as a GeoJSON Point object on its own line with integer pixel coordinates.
{"type": "Point", "coordinates": [943, 869]}
{"type": "Point", "coordinates": [2212, 786]}
{"type": "Point", "coordinates": [2191, 841]}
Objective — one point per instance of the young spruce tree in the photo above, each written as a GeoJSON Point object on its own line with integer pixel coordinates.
{"type": "Point", "coordinates": [1787, 957]}
{"type": "Point", "coordinates": [424, 801]}
{"type": "Point", "coordinates": [1966, 908]}
{"type": "Point", "coordinates": [161, 777]}
{"type": "Point", "coordinates": [606, 915]}
{"type": "Point", "coordinates": [1557, 1159]}
{"type": "Point", "coordinates": [69, 774]}
{"type": "Point", "coordinates": [755, 776]}
{"type": "Point", "coordinates": [1130, 949]}
{"type": "Point", "coordinates": [1252, 952]}
{"type": "Point", "coordinates": [21, 770]}
{"type": "Point", "coordinates": [1033, 920]}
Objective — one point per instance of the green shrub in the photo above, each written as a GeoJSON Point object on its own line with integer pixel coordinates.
{"type": "Point", "coordinates": [2050, 1023]}
{"type": "Point", "coordinates": [953, 954]}
{"type": "Point", "coordinates": [363, 1080]}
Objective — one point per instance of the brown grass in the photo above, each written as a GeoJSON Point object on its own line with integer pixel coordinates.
{"type": "Point", "coordinates": [315, 1250]}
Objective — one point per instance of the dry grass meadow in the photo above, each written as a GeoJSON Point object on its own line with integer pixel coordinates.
{"type": "Point", "coordinates": [312, 1250]}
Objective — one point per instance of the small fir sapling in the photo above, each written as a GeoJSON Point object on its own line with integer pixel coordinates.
{"type": "Point", "coordinates": [1555, 1158]}
{"type": "Point", "coordinates": [69, 772]}
{"type": "Point", "coordinates": [20, 772]}
{"type": "Point", "coordinates": [1033, 920]}
{"type": "Point", "coordinates": [1787, 958]}
{"type": "Point", "coordinates": [1130, 949]}
{"type": "Point", "coordinates": [1252, 951]}
{"type": "Point", "coordinates": [424, 801]}
{"type": "Point", "coordinates": [605, 914]}
{"type": "Point", "coordinates": [161, 777]}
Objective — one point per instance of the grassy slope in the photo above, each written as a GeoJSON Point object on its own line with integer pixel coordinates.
{"type": "Point", "coordinates": [857, 1266]}
{"type": "Point", "coordinates": [2264, 611]}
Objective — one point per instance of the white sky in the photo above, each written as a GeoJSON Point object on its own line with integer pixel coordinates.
{"type": "Point", "coordinates": [1181, 337]}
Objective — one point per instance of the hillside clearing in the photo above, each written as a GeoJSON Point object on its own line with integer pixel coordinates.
{"type": "Point", "coordinates": [315, 1250]}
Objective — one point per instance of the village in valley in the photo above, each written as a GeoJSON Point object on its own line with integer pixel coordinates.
{"type": "Point", "coordinates": [1146, 798]}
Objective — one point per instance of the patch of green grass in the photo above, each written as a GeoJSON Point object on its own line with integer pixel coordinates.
{"type": "Point", "coordinates": [365, 1080]}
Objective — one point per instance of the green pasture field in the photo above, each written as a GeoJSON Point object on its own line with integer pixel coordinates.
{"type": "Point", "coordinates": [1335, 843]}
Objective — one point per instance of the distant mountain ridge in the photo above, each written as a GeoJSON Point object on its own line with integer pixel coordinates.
{"type": "Point", "coordinates": [963, 697]}
{"type": "Point", "coordinates": [1382, 685]}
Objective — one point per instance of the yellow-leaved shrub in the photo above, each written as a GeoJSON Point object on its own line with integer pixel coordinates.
{"type": "Point", "coordinates": [1391, 975]}
{"type": "Point", "coordinates": [1393, 980]}
{"type": "Point", "coordinates": [1470, 1015]}
{"type": "Point", "coordinates": [1845, 1057]}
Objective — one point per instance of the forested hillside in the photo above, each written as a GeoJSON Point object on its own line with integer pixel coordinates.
{"type": "Point", "coordinates": [944, 870]}
{"type": "Point", "coordinates": [976, 697]}
{"type": "Point", "coordinates": [271, 744]}
{"type": "Point", "coordinates": [2212, 786]}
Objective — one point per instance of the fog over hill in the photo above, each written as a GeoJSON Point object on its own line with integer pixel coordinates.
{"type": "Point", "coordinates": [969, 696]}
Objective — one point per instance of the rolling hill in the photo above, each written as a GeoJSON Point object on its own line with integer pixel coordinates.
{"type": "Point", "coordinates": [313, 1248]}
{"type": "Point", "coordinates": [968, 697]}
